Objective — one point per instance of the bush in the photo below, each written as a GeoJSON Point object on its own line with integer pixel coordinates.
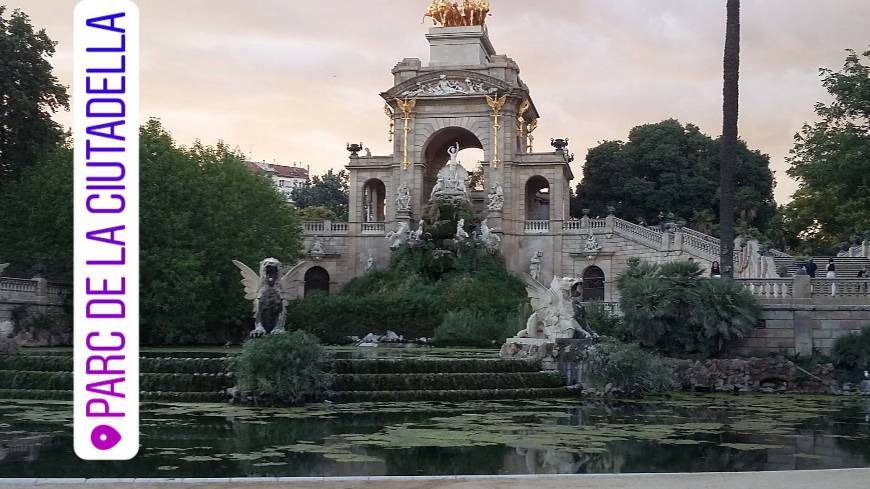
{"type": "Point", "coordinates": [600, 320]}
{"type": "Point", "coordinates": [287, 368]}
{"type": "Point", "coordinates": [471, 328]}
{"type": "Point", "coordinates": [851, 354]}
{"type": "Point", "coordinates": [406, 299]}
{"type": "Point", "coordinates": [672, 308]}
{"type": "Point", "coordinates": [627, 367]}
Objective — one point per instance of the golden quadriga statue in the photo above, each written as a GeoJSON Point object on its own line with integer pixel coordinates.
{"type": "Point", "coordinates": [451, 14]}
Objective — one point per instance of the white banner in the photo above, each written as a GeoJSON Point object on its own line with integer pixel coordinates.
{"type": "Point", "coordinates": [106, 230]}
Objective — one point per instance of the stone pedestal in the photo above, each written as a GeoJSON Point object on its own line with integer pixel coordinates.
{"type": "Point", "coordinates": [564, 355]}
{"type": "Point", "coordinates": [459, 46]}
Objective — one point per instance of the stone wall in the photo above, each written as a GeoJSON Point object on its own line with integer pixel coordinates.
{"type": "Point", "coordinates": [802, 328]}
{"type": "Point", "coordinates": [764, 374]}
{"type": "Point", "coordinates": [29, 298]}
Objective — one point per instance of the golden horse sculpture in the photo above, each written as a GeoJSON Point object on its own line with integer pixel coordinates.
{"type": "Point", "coordinates": [450, 14]}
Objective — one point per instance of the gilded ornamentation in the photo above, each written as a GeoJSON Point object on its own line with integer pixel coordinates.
{"type": "Point", "coordinates": [530, 128]}
{"type": "Point", "coordinates": [496, 103]}
{"type": "Point", "coordinates": [407, 107]}
{"type": "Point", "coordinates": [450, 14]}
{"type": "Point", "coordinates": [521, 120]}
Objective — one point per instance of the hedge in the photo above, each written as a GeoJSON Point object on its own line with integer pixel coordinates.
{"type": "Point", "coordinates": [19, 379]}
{"type": "Point", "coordinates": [448, 395]}
{"type": "Point", "coordinates": [417, 365]}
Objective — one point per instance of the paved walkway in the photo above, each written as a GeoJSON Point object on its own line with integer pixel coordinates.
{"type": "Point", "coordinates": [804, 479]}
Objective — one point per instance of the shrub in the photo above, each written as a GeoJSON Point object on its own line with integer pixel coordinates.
{"type": "Point", "coordinates": [287, 368]}
{"type": "Point", "coordinates": [600, 320]}
{"type": "Point", "coordinates": [671, 308]}
{"type": "Point", "coordinates": [851, 354]}
{"type": "Point", "coordinates": [627, 367]}
{"type": "Point", "coordinates": [471, 328]}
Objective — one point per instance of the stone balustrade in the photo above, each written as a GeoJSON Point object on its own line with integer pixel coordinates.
{"type": "Point", "coordinates": [325, 227]}
{"type": "Point", "coordinates": [772, 288]}
{"type": "Point", "coordinates": [374, 227]}
{"type": "Point", "coordinates": [537, 226]}
{"type": "Point", "coordinates": [802, 289]}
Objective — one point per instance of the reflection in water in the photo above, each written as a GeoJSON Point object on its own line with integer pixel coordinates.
{"type": "Point", "coordinates": [683, 433]}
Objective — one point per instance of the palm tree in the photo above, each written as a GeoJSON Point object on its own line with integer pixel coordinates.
{"type": "Point", "coordinates": [728, 142]}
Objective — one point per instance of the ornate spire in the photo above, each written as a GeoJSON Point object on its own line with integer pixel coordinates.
{"type": "Point", "coordinates": [446, 13]}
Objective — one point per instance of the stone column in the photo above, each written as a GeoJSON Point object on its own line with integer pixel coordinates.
{"type": "Point", "coordinates": [801, 287]}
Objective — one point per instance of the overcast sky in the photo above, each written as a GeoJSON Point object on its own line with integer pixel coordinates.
{"type": "Point", "coordinates": [294, 81]}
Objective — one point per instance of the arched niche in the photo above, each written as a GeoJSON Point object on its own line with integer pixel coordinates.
{"type": "Point", "coordinates": [435, 154]}
{"type": "Point", "coordinates": [316, 281]}
{"type": "Point", "coordinates": [537, 199]}
{"type": "Point", "coordinates": [593, 284]}
{"type": "Point", "coordinates": [374, 199]}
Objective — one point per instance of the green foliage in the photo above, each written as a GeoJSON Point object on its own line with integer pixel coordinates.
{"type": "Point", "coordinates": [627, 367]}
{"type": "Point", "coordinates": [851, 354]}
{"type": "Point", "coordinates": [29, 95]}
{"type": "Point", "coordinates": [405, 297]}
{"type": "Point", "coordinates": [37, 206]}
{"type": "Point", "coordinates": [329, 190]}
{"type": "Point", "coordinates": [829, 161]}
{"type": "Point", "coordinates": [671, 168]}
{"type": "Point", "coordinates": [672, 308]}
{"type": "Point", "coordinates": [471, 328]}
{"type": "Point", "coordinates": [288, 368]}
{"type": "Point", "coordinates": [604, 323]}
{"type": "Point", "coordinates": [317, 213]}
{"type": "Point", "coordinates": [199, 209]}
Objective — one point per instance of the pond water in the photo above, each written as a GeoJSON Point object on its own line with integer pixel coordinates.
{"type": "Point", "coordinates": [682, 433]}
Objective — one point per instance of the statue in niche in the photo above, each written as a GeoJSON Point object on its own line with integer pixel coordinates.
{"type": "Point", "coordinates": [369, 263]}
{"type": "Point", "coordinates": [535, 265]}
{"type": "Point", "coordinates": [269, 293]}
{"type": "Point", "coordinates": [398, 237]}
{"type": "Point", "coordinates": [553, 316]}
{"type": "Point", "coordinates": [496, 198]}
{"type": "Point", "coordinates": [452, 180]}
{"type": "Point", "coordinates": [403, 198]}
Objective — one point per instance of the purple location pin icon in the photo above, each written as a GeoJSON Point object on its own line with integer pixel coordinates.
{"type": "Point", "coordinates": [105, 437]}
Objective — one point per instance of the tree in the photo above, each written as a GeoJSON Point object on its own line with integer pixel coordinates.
{"type": "Point", "coordinates": [830, 162]}
{"type": "Point", "coordinates": [36, 218]}
{"type": "Point", "coordinates": [329, 190]}
{"type": "Point", "coordinates": [29, 94]}
{"type": "Point", "coordinates": [199, 209]}
{"type": "Point", "coordinates": [728, 143]}
{"type": "Point", "coordinates": [670, 168]}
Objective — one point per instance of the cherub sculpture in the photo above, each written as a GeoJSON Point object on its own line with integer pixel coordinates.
{"type": "Point", "coordinates": [553, 315]}
{"type": "Point", "coordinates": [270, 294]}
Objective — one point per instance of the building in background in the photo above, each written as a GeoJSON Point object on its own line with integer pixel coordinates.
{"type": "Point", "coordinates": [284, 178]}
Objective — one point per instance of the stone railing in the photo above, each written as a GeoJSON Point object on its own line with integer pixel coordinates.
{"type": "Point", "coordinates": [700, 245]}
{"type": "Point", "coordinates": [339, 227]}
{"type": "Point", "coordinates": [374, 227]}
{"type": "Point", "coordinates": [649, 235]}
{"type": "Point", "coordinates": [312, 227]}
{"type": "Point", "coordinates": [584, 224]}
{"type": "Point", "coordinates": [18, 285]}
{"type": "Point", "coordinates": [859, 250]}
{"type": "Point", "coordinates": [537, 226]}
{"type": "Point", "coordinates": [325, 227]}
{"type": "Point", "coordinates": [772, 288]}
{"type": "Point", "coordinates": [802, 289]}
{"type": "Point", "coordinates": [841, 287]}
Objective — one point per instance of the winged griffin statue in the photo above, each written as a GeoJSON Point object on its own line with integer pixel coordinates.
{"type": "Point", "coordinates": [269, 293]}
{"type": "Point", "coordinates": [553, 315]}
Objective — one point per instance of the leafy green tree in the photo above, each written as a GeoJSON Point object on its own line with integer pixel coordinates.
{"type": "Point", "coordinates": [199, 209]}
{"type": "Point", "coordinates": [29, 94]}
{"type": "Point", "coordinates": [317, 213]}
{"type": "Point", "coordinates": [830, 162]}
{"type": "Point", "coordinates": [670, 168]}
{"type": "Point", "coordinates": [329, 190]}
{"type": "Point", "coordinates": [36, 218]}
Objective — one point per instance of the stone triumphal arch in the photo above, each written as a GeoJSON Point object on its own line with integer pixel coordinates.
{"type": "Point", "coordinates": [471, 96]}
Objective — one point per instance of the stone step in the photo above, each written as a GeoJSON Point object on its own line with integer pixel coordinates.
{"type": "Point", "coordinates": [40, 380]}
{"type": "Point", "coordinates": [447, 381]}
{"type": "Point", "coordinates": [419, 365]}
{"type": "Point", "coordinates": [449, 395]}
{"type": "Point", "coordinates": [144, 396]}
{"type": "Point", "coordinates": [846, 267]}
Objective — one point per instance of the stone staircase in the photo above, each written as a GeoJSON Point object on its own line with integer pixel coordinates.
{"type": "Point", "coordinates": [205, 377]}
{"type": "Point", "coordinates": [847, 267]}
